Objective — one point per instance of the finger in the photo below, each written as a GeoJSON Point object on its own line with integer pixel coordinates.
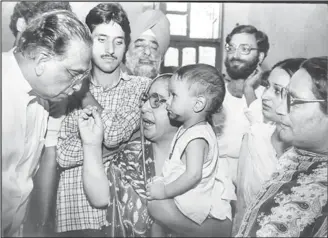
{"type": "Point", "coordinates": [96, 116]}
{"type": "Point", "coordinates": [84, 116]}
{"type": "Point", "coordinates": [87, 110]}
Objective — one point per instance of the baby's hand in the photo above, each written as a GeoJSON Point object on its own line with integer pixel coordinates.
{"type": "Point", "coordinates": [156, 190]}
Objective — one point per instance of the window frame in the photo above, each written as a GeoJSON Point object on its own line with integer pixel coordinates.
{"type": "Point", "coordinates": [179, 42]}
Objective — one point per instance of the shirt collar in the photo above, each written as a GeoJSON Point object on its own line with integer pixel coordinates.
{"type": "Point", "coordinates": [123, 76]}
{"type": "Point", "coordinates": [17, 74]}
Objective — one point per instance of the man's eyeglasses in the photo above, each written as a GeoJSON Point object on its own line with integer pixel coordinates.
{"type": "Point", "coordinates": [77, 79]}
{"type": "Point", "coordinates": [155, 99]}
{"type": "Point", "coordinates": [294, 101]}
{"type": "Point", "coordinates": [243, 49]}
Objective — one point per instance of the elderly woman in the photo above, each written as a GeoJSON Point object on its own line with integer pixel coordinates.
{"type": "Point", "coordinates": [125, 194]}
{"type": "Point", "coordinates": [261, 146]}
{"type": "Point", "coordinates": [293, 202]}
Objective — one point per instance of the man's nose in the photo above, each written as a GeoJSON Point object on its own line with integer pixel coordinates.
{"type": "Point", "coordinates": [168, 102]}
{"type": "Point", "coordinates": [110, 47]}
{"type": "Point", "coordinates": [236, 54]}
{"type": "Point", "coordinates": [147, 50]}
{"type": "Point", "coordinates": [77, 86]}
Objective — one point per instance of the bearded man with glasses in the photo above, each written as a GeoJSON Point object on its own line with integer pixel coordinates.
{"type": "Point", "coordinates": [246, 48]}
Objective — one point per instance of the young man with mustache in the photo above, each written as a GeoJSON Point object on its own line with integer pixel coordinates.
{"type": "Point", "coordinates": [246, 48]}
{"type": "Point", "coordinates": [117, 96]}
{"type": "Point", "coordinates": [150, 39]}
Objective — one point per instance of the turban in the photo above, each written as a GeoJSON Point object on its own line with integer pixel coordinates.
{"type": "Point", "coordinates": [158, 23]}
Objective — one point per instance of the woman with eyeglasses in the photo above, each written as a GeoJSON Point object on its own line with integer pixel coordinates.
{"type": "Point", "coordinates": [293, 201]}
{"type": "Point", "coordinates": [261, 146]}
{"type": "Point", "coordinates": [125, 181]}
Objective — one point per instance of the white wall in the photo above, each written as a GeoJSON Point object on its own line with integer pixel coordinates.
{"type": "Point", "coordinates": [294, 30]}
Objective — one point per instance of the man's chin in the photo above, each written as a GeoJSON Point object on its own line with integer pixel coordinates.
{"type": "Point", "coordinates": [146, 70]}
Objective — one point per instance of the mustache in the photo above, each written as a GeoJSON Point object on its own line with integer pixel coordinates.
{"type": "Point", "coordinates": [237, 60]}
{"type": "Point", "coordinates": [108, 56]}
{"type": "Point", "coordinates": [147, 60]}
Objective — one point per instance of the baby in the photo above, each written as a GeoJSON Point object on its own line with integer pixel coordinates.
{"type": "Point", "coordinates": [189, 175]}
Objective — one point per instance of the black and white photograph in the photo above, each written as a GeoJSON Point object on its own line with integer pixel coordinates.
{"type": "Point", "coordinates": [104, 105]}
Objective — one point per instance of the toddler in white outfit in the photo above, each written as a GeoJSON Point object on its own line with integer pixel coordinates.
{"type": "Point", "coordinates": [193, 175]}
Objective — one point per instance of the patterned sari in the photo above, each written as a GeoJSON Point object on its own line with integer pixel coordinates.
{"type": "Point", "coordinates": [293, 203]}
{"type": "Point", "coordinates": [127, 213]}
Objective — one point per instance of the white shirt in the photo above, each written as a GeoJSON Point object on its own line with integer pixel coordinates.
{"type": "Point", "coordinates": [235, 125]}
{"type": "Point", "coordinates": [24, 122]}
{"type": "Point", "coordinates": [212, 195]}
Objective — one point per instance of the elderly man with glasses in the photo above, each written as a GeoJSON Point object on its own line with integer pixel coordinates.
{"type": "Point", "coordinates": [43, 67]}
{"type": "Point", "coordinates": [246, 48]}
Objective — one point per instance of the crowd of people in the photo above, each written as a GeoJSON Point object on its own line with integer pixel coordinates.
{"type": "Point", "coordinates": [110, 147]}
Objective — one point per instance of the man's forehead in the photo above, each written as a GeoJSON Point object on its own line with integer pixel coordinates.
{"type": "Point", "coordinates": [243, 38]}
{"type": "Point", "coordinates": [147, 39]}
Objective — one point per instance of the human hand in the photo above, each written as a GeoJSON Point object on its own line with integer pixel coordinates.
{"type": "Point", "coordinates": [253, 80]}
{"type": "Point", "coordinates": [155, 190]}
{"type": "Point", "coordinates": [90, 126]}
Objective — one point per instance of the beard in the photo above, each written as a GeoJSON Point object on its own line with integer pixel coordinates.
{"type": "Point", "coordinates": [138, 68]}
{"type": "Point", "coordinates": [241, 71]}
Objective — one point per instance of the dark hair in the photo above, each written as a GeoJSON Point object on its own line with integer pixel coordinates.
{"type": "Point", "coordinates": [207, 78]}
{"type": "Point", "coordinates": [106, 12]}
{"type": "Point", "coordinates": [43, 6]}
{"type": "Point", "coordinates": [317, 69]}
{"type": "Point", "coordinates": [52, 32]}
{"type": "Point", "coordinates": [22, 9]}
{"type": "Point", "coordinates": [289, 65]}
{"type": "Point", "coordinates": [29, 10]}
{"type": "Point", "coordinates": [261, 38]}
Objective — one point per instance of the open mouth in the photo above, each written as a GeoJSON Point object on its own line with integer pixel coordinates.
{"type": "Point", "coordinates": [265, 106]}
{"type": "Point", "coordinates": [147, 122]}
{"type": "Point", "coordinates": [146, 62]}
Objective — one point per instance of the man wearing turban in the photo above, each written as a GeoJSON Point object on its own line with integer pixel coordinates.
{"type": "Point", "coordinates": [150, 39]}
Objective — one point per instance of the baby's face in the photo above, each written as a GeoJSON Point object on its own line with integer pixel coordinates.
{"type": "Point", "coordinates": [181, 100]}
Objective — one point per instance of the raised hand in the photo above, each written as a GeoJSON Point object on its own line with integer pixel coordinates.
{"type": "Point", "coordinates": [90, 126]}
{"type": "Point", "coordinates": [254, 80]}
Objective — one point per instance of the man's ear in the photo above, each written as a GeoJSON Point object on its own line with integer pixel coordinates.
{"type": "Point", "coordinates": [21, 24]}
{"type": "Point", "coordinates": [261, 58]}
{"type": "Point", "coordinates": [40, 61]}
{"type": "Point", "coordinates": [200, 103]}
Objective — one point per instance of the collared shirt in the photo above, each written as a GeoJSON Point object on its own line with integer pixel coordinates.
{"type": "Point", "coordinates": [121, 118]}
{"type": "Point", "coordinates": [24, 122]}
{"type": "Point", "coordinates": [235, 125]}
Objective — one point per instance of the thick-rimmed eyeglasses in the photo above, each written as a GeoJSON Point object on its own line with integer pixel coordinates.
{"type": "Point", "coordinates": [243, 49]}
{"type": "Point", "coordinates": [155, 99]}
{"type": "Point", "coordinates": [285, 94]}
